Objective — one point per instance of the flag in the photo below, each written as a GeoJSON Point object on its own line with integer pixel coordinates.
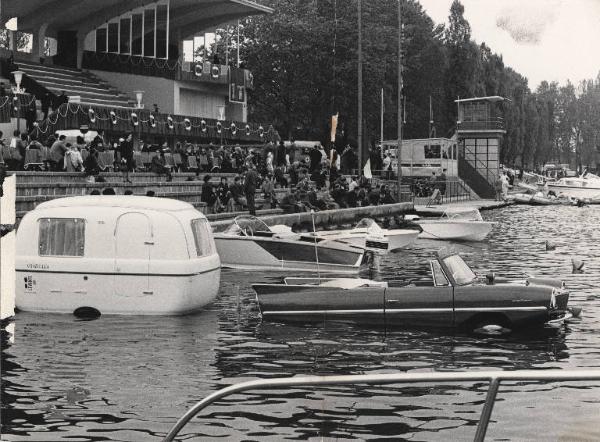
{"type": "Point", "coordinates": [334, 123]}
{"type": "Point", "coordinates": [367, 169]}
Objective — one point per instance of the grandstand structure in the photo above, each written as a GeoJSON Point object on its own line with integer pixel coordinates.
{"type": "Point", "coordinates": [121, 65]}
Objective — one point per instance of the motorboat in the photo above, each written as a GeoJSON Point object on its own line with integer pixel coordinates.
{"type": "Point", "coordinates": [116, 254]}
{"type": "Point", "coordinates": [584, 187]}
{"type": "Point", "coordinates": [456, 224]}
{"type": "Point", "coordinates": [452, 296]}
{"type": "Point", "coordinates": [368, 234]}
{"type": "Point", "coordinates": [248, 243]}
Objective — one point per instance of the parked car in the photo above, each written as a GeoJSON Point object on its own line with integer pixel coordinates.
{"type": "Point", "coordinates": [454, 296]}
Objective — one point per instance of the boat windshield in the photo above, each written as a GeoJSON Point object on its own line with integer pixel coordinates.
{"type": "Point", "coordinates": [462, 214]}
{"type": "Point", "coordinates": [247, 226]}
{"type": "Point", "coordinates": [460, 271]}
{"type": "Point", "coordinates": [369, 224]}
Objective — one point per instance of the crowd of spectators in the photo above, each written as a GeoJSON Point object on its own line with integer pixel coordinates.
{"type": "Point", "coordinates": [315, 179]}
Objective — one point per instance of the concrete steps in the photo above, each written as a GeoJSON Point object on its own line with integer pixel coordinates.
{"type": "Point", "coordinates": [75, 83]}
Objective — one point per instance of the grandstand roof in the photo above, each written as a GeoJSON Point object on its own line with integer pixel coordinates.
{"type": "Point", "coordinates": [187, 17]}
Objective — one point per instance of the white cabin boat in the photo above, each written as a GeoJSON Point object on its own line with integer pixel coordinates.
{"type": "Point", "coordinates": [585, 187]}
{"type": "Point", "coordinates": [369, 235]}
{"type": "Point", "coordinates": [116, 255]}
{"type": "Point", "coordinates": [457, 224]}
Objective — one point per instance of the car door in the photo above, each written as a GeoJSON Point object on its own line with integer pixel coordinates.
{"type": "Point", "coordinates": [133, 242]}
{"type": "Point", "coordinates": [421, 304]}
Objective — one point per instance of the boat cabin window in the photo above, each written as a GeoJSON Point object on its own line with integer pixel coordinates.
{"type": "Point", "coordinates": [203, 239]}
{"type": "Point", "coordinates": [61, 237]}
{"type": "Point", "coordinates": [439, 279]}
{"type": "Point", "coordinates": [460, 271]}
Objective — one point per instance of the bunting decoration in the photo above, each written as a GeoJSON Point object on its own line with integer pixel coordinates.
{"type": "Point", "coordinates": [73, 115]}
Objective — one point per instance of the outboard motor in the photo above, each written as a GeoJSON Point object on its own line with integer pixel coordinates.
{"type": "Point", "coordinates": [490, 278]}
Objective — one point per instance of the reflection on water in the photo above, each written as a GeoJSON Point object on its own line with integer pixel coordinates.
{"type": "Point", "coordinates": [130, 378]}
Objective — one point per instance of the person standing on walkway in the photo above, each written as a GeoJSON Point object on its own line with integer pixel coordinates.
{"type": "Point", "coordinates": [250, 185]}
{"type": "Point", "coordinates": [126, 153]}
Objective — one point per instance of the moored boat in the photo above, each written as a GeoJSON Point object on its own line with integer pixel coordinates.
{"type": "Point", "coordinates": [248, 243]}
{"type": "Point", "coordinates": [367, 233]}
{"type": "Point", "coordinates": [457, 224]}
{"type": "Point", "coordinates": [584, 187]}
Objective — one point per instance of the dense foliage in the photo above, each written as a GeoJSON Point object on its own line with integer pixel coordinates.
{"type": "Point", "coordinates": [304, 61]}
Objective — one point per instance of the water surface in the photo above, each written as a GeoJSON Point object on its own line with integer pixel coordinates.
{"type": "Point", "coordinates": [130, 378]}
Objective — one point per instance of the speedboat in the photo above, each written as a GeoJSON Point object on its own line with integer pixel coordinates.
{"type": "Point", "coordinates": [457, 224]}
{"type": "Point", "coordinates": [248, 243]}
{"type": "Point", "coordinates": [584, 187]}
{"type": "Point", "coordinates": [370, 235]}
{"type": "Point", "coordinates": [452, 296]}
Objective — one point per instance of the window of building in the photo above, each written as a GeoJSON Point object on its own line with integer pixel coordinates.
{"type": "Point", "coordinates": [433, 151]}
{"type": "Point", "coordinates": [149, 24]}
{"type": "Point", "coordinates": [137, 29]}
{"type": "Point", "coordinates": [113, 37]}
{"type": "Point", "coordinates": [205, 244]}
{"type": "Point", "coordinates": [162, 17]}
{"type": "Point", "coordinates": [125, 36]}
{"type": "Point", "coordinates": [101, 40]}
{"type": "Point", "coordinates": [61, 237]}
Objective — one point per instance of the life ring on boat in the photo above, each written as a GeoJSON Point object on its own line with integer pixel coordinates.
{"type": "Point", "coordinates": [203, 126]}
{"type": "Point", "coordinates": [198, 69]}
{"type": "Point", "coordinates": [233, 128]}
{"type": "Point", "coordinates": [187, 124]}
{"type": "Point", "coordinates": [170, 122]}
{"type": "Point", "coordinates": [91, 115]}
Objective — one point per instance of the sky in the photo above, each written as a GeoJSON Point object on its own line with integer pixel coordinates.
{"type": "Point", "coordinates": [554, 40]}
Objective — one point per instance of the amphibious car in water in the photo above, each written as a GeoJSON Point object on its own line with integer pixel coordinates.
{"type": "Point", "coordinates": [453, 297]}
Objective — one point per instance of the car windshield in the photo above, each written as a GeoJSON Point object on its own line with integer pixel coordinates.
{"type": "Point", "coordinates": [460, 271]}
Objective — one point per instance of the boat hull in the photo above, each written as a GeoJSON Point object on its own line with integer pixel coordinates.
{"type": "Point", "coordinates": [455, 231]}
{"type": "Point", "coordinates": [250, 253]}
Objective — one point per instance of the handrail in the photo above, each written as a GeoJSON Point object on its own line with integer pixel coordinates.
{"type": "Point", "coordinates": [493, 377]}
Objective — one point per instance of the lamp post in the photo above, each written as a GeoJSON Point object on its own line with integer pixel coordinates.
{"type": "Point", "coordinates": [18, 91]}
{"type": "Point", "coordinates": [139, 95]}
{"type": "Point", "coordinates": [399, 145]}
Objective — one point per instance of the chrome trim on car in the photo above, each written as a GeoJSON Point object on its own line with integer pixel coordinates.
{"type": "Point", "coordinates": [403, 310]}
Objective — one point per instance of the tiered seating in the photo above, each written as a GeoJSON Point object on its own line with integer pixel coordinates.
{"type": "Point", "coordinates": [34, 188]}
{"type": "Point", "coordinates": [75, 83]}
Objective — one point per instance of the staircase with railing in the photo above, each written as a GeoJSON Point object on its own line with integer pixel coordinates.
{"type": "Point", "coordinates": [482, 184]}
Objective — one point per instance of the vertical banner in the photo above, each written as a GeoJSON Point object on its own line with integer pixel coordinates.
{"type": "Point", "coordinates": [334, 123]}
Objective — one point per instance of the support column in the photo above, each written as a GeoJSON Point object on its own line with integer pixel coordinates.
{"type": "Point", "coordinates": [12, 41]}
{"type": "Point", "coordinates": [80, 48]}
{"type": "Point", "coordinates": [39, 40]}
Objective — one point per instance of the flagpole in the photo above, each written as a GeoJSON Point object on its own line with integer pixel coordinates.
{"type": "Point", "coordinates": [399, 146]}
{"type": "Point", "coordinates": [238, 44]}
{"type": "Point", "coordinates": [381, 128]}
{"type": "Point", "coordinates": [360, 88]}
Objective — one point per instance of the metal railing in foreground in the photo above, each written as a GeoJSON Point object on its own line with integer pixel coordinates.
{"type": "Point", "coordinates": [493, 377]}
